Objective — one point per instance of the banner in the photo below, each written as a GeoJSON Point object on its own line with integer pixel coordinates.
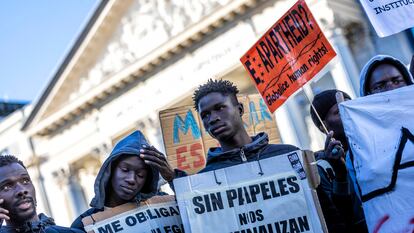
{"type": "Point", "coordinates": [186, 142]}
{"type": "Point", "coordinates": [288, 55]}
{"type": "Point", "coordinates": [269, 195]}
{"type": "Point", "coordinates": [380, 131]}
{"type": "Point", "coordinates": [157, 215]}
{"type": "Point", "coordinates": [389, 16]}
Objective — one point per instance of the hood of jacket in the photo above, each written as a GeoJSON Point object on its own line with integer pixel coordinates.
{"type": "Point", "coordinates": [217, 154]}
{"type": "Point", "coordinates": [131, 144]}
{"type": "Point", "coordinates": [37, 226]}
{"type": "Point", "coordinates": [382, 59]}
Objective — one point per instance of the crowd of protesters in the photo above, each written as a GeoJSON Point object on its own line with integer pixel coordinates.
{"type": "Point", "coordinates": [132, 170]}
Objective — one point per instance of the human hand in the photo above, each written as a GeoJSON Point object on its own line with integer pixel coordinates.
{"type": "Point", "coordinates": [155, 158]}
{"type": "Point", "coordinates": [335, 154]}
{"type": "Point", "coordinates": [3, 212]}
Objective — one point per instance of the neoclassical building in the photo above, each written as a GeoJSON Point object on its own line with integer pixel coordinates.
{"type": "Point", "coordinates": [135, 58]}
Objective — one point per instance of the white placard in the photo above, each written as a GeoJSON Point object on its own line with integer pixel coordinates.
{"type": "Point", "coordinates": [270, 195]}
{"type": "Point", "coordinates": [380, 130]}
{"type": "Point", "coordinates": [153, 218]}
{"type": "Point", "coordinates": [389, 16]}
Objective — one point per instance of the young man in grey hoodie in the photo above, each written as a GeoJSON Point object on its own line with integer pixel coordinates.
{"type": "Point", "coordinates": [383, 73]}
{"type": "Point", "coordinates": [123, 178]}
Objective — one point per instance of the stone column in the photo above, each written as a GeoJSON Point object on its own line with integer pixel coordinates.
{"type": "Point", "coordinates": [74, 197]}
{"type": "Point", "coordinates": [87, 175]}
{"type": "Point", "coordinates": [345, 73]}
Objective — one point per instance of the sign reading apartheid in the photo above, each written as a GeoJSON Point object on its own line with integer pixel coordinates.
{"type": "Point", "coordinates": [289, 54]}
{"type": "Point", "coordinates": [159, 214]}
{"type": "Point", "coordinates": [389, 16]}
{"type": "Point", "coordinates": [380, 131]}
{"type": "Point", "coordinates": [272, 195]}
{"type": "Point", "coordinates": [186, 142]}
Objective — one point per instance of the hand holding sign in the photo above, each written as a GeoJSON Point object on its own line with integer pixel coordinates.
{"type": "Point", "coordinates": [155, 158]}
{"type": "Point", "coordinates": [336, 159]}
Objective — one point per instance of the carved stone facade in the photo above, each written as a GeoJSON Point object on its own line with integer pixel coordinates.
{"type": "Point", "coordinates": [147, 25]}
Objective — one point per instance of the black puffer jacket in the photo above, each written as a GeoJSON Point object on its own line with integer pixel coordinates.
{"type": "Point", "coordinates": [259, 148]}
{"type": "Point", "coordinates": [44, 225]}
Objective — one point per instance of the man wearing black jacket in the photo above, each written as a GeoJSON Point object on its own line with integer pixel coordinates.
{"type": "Point", "coordinates": [341, 207]}
{"type": "Point", "coordinates": [18, 201]}
{"type": "Point", "coordinates": [221, 114]}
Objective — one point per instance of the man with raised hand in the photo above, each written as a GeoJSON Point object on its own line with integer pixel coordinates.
{"type": "Point", "coordinates": [340, 205]}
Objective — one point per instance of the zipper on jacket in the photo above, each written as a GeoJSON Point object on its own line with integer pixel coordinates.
{"type": "Point", "coordinates": [242, 155]}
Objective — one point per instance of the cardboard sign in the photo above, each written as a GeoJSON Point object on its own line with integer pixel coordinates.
{"type": "Point", "coordinates": [157, 215]}
{"type": "Point", "coordinates": [380, 131]}
{"type": "Point", "coordinates": [186, 142]}
{"type": "Point", "coordinates": [269, 195]}
{"type": "Point", "coordinates": [389, 16]}
{"type": "Point", "coordinates": [290, 53]}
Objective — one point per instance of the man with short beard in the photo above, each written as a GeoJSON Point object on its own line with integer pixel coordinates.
{"type": "Point", "coordinates": [18, 201]}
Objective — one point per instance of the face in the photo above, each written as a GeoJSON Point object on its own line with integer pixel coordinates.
{"type": "Point", "coordinates": [385, 77]}
{"type": "Point", "coordinates": [333, 122]}
{"type": "Point", "coordinates": [128, 178]}
{"type": "Point", "coordinates": [18, 192]}
{"type": "Point", "coordinates": [221, 116]}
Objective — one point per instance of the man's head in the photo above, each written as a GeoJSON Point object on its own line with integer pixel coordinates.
{"type": "Point", "coordinates": [326, 105]}
{"type": "Point", "coordinates": [384, 73]}
{"type": "Point", "coordinates": [17, 190]}
{"type": "Point", "coordinates": [129, 176]}
{"type": "Point", "coordinates": [219, 109]}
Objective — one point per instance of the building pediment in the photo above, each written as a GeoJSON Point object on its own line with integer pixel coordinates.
{"type": "Point", "coordinates": [124, 40]}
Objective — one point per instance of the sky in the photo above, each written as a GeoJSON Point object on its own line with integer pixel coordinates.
{"type": "Point", "coordinates": [35, 37]}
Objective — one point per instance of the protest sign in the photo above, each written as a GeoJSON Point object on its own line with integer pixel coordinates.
{"type": "Point", "coordinates": [269, 195]}
{"type": "Point", "coordinates": [389, 16]}
{"type": "Point", "coordinates": [288, 55]}
{"type": "Point", "coordinates": [186, 142]}
{"type": "Point", "coordinates": [380, 131]}
{"type": "Point", "coordinates": [159, 214]}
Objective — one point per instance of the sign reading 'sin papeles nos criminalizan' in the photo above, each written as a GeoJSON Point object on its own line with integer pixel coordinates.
{"type": "Point", "coordinates": [269, 195]}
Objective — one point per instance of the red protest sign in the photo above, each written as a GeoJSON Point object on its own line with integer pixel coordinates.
{"type": "Point", "coordinates": [288, 55]}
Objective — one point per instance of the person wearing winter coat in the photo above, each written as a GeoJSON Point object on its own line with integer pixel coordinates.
{"type": "Point", "coordinates": [122, 178]}
{"type": "Point", "coordinates": [341, 207]}
{"type": "Point", "coordinates": [221, 114]}
{"type": "Point", "coordinates": [18, 201]}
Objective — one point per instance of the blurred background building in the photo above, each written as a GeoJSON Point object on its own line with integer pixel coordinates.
{"type": "Point", "coordinates": [137, 57]}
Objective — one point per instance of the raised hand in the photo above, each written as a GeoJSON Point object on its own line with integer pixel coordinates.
{"type": "Point", "coordinates": [335, 154]}
{"type": "Point", "coordinates": [155, 158]}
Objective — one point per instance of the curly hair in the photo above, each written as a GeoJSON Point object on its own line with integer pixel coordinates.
{"type": "Point", "coordinates": [9, 159]}
{"type": "Point", "coordinates": [224, 87]}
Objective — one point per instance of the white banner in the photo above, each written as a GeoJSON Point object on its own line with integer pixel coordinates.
{"type": "Point", "coordinates": [389, 16]}
{"type": "Point", "coordinates": [380, 131]}
{"type": "Point", "coordinates": [270, 196]}
{"type": "Point", "coordinates": [153, 218]}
